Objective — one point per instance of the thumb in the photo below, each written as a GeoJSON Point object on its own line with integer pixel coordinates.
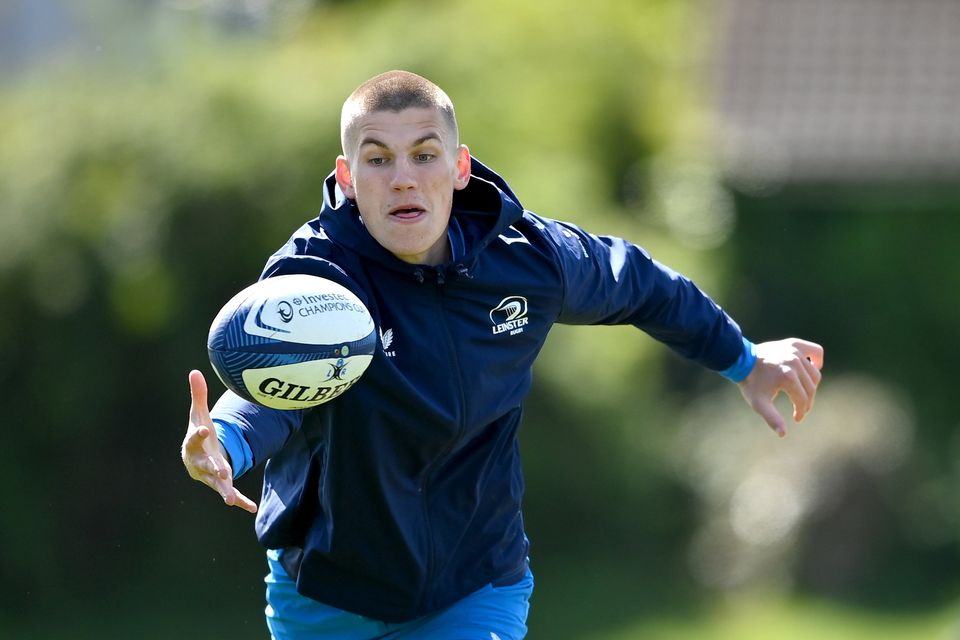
{"type": "Point", "coordinates": [199, 410]}
{"type": "Point", "coordinates": [769, 413]}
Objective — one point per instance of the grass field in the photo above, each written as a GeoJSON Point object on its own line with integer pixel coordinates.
{"type": "Point", "coordinates": [577, 599]}
{"type": "Point", "coordinates": [790, 620]}
{"type": "Point", "coordinates": [750, 620]}
{"type": "Point", "coordinates": [598, 599]}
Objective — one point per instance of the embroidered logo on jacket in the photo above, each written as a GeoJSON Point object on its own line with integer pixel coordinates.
{"type": "Point", "coordinates": [510, 316]}
{"type": "Point", "coordinates": [386, 339]}
{"type": "Point", "coordinates": [512, 239]}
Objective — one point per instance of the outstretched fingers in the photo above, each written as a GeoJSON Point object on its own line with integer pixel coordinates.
{"type": "Point", "coordinates": [199, 409]}
{"type": "Point", "coordinates": [212, 469]}
{"type": "Point", "coordinates": [203, 456]}
{"type": "Point", "coordinates": [236, 499]}
{"type": "Point", "coordinates": [200, 459]}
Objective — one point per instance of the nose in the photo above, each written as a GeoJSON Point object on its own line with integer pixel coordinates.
{"type": "Point", "coordinates": [403, 178]}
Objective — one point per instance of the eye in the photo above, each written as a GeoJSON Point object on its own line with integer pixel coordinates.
{"type": "Point", "coordinates": [424, 157]}
{"type": "Point", "coordinates": [376, 161]}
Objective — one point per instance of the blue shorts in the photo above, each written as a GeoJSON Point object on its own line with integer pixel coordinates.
{"type": "Point", "coordinates": [492, 613]}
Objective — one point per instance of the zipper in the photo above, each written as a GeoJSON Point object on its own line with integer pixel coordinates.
{"type": "Point", "coordinates": [432, 562]}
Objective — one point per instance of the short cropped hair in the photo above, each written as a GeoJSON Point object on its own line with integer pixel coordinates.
{"type": "Point", "coordinates": [395, 91]}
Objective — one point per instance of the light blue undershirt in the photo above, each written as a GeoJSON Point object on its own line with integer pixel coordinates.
{"type": "Point", "coordinates": [744, 364]}
{"type": "Point", "coordinates": [230, 436]}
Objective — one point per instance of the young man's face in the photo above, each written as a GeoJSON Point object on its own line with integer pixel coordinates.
{"type": "Point", "coordinates": [402, 169]}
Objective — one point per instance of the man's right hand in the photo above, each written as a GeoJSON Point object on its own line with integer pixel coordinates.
{"type": "Point", "coordinates": [202, 453]}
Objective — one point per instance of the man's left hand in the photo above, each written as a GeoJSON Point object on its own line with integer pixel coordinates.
{"type": "Point", "coordinates": [791, 366]}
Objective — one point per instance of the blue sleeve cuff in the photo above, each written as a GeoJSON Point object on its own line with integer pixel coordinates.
{"type": "Point", "coordinates": [744, 364]}
{"type": "Point", "coordinates": [230, 436]}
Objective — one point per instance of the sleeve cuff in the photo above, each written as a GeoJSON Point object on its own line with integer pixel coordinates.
{"type": "Point", "coordinates": [744, 364]}
{"type": "Point", "coordinates": [230, 436]}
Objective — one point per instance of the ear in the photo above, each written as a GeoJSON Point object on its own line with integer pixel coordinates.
{"type": "Point", "coordinates": [463, 167]}
{"type": "Point", "coordinates": [345, 178]}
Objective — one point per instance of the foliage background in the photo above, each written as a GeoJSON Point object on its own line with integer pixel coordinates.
{"type": "Point", "coordinates": [151, 164]}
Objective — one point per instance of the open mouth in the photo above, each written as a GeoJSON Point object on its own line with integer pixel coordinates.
{"type": "Point", "coordinates": [407, 213]}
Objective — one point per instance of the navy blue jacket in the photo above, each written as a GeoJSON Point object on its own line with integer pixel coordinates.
{"type": "Point", "coordinates": [405, 492]}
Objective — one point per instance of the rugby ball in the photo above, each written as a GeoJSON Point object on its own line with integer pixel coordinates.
{"type": "Point", "coordinates": [292, 341]}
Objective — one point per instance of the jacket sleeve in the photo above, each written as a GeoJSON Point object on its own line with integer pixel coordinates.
{"type": "Point", "coordinates": [608, 280]}
{"type": "Point", "coordinates": [264, 431]}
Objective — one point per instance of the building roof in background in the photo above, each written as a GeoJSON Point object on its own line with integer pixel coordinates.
{"type": "Point", "coordinates": [838, 90]}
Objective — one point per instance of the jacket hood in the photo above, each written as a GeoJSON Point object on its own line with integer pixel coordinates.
{"type": "Point", "coordinates": [485, 208]}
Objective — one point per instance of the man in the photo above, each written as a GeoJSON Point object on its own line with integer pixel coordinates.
{"type": "Point", "coordinates": [394, 511]}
